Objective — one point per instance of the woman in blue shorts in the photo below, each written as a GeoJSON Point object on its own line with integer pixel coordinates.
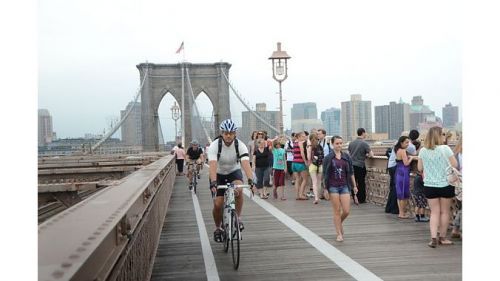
{"type": "Point", "coordinates": [299, 167]}
{"type": "Point", "coordinates": [338, 176]}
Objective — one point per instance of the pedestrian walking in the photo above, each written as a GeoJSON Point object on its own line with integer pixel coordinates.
{"type": "Point", "coordinates": [280, 168]}
{"type": "Point", "coordinates": [180, 155]}
{"type": "Point", "coordinates": [339, 178]}
{"type": "Point", "coordinates": [299, 167]}
{"type": "Point", "coordinates": [315, 162]}
{"type": "Point", "coordinates": [261, 167]}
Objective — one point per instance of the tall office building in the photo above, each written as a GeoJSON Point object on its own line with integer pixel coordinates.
{"type": "Point", "coordinates": [419, 112]}
{"type": "Point", "coordinates": [131, 129]}
{"type": "Point", "coordinates": [45, 130]}
{"type": "Point", "coordinates": [331, 121]}
{"type": "Point", "coordinates": [392, 119]}
{"type": "Point", "coordinates": [399, 119]}
{"type": "Point", "coordinates": [305, 117]}
{"type": "Point", "coordinates": [251, 123]}
{"type": "Point", "coordinates": [382, 120]}
{"type": "Point", "coordinates": [356, 113]}
{"type": "Point", "coordinates": [450, 116]}
{"type": "Point", "coordinates": [305, 110]}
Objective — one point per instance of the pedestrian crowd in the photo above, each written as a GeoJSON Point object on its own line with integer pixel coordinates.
{"type": "Point", "coordinates": [318, 168]}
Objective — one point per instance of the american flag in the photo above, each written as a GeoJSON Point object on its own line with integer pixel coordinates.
{"type": "Point", "coordinates": [181, 47]}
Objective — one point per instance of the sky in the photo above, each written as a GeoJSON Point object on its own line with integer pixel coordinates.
{"type": "Point", "coordinates": [384, 50]}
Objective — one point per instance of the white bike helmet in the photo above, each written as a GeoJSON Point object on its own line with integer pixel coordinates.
{"type": "Point", "coordinates": [228, 126]}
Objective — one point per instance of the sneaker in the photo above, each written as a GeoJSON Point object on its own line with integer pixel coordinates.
{"type": "Point", "coordinates": [190, 186]}
{"type": "Point", "coordinates": [293, 182]}
{"type": "Point", "coordinates": [218, 235]}
{"type": "Point", "coordinates": [198, 176]}
{"type": "Point", "coordinates": [310, 194]}
{"type": "Point", "coordinates": [424, 219]}
{"type": "Point", "coordinates": [241, 226]}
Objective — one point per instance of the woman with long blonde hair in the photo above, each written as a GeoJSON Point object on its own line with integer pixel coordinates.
{"type": "Point", "coordinates": [434, 159]}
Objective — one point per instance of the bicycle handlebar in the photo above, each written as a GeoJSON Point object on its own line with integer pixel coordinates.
{"type": "Point", "coordinates": [233, 185]}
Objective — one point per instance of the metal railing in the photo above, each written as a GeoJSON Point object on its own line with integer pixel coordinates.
{"type": "Point", "coordinates": [114, 234]}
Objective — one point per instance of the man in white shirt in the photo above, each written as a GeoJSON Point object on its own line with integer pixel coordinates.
{"type": "Point", "coordinates": [224, 159]}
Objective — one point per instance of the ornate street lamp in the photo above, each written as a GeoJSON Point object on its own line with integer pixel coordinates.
{"type": "Point", "coordinates": [175, 116]}
{"type": "Point", "coordinates": [279, 60]}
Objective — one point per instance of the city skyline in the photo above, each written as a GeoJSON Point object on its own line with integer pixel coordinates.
{"type": "Point", "coordinates": [288, 125]}
{"type": "Point", "coordinates": [383, 51]}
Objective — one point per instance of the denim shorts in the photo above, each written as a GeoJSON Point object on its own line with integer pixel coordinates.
{"type": "Point", "coordinates": [339, 189]}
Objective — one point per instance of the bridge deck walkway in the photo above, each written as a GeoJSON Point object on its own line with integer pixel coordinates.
{"type": "Point", "coordinates": [385, 246]}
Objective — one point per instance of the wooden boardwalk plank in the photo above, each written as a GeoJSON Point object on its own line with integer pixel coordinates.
{"type": "Point", "coordinates": [390, 248]}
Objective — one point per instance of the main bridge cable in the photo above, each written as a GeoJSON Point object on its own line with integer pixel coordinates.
{"type": "Point", "coordinates": [197, 112]}
{"type": "Point", "coordinates": [115, 128]}
{"type": "Point", "coordinates": [253, 112]}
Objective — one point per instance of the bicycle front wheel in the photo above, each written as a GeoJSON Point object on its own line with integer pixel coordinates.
{"type": "Point", "coordinates": [225, 235]}
{"type": "Point", "coordinates": [195, 182]}
{"type": "Point", "coordinates": [235, 239]}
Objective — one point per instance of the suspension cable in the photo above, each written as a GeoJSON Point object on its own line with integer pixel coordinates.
{"type": "Point", "coordinates": [248, 107]}
{"type": "Point", "coordinates": [115, 128]}
{"type": "Point", "coordinates": [197, 112]}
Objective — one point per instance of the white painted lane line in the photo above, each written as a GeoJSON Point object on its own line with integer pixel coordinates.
{"type": "Point", "coordinates": [353, 268]}
{"type": "Point", "coordinates": [208, 256]}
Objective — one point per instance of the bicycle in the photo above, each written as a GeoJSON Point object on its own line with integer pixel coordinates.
{"type": "Point", "coordinates": [231, 223]}
{"type": "Point", "coordinates": [194, 177]}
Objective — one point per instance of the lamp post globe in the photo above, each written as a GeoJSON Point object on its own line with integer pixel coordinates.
{"type": "Point", "coordinates": [279, 61]}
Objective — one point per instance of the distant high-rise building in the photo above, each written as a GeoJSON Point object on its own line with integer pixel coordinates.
{"type": "Point", "coordinates": [331, 121]}
{"type": "Point", "coordinates": [45, 129]}
{"type": "Point", "coordinates": [131, 129]}
{"type": "Point", "coordinates": [382, 115]}
{"type": "Point", "coordinates": [400, 119]}
{"type": "Point", "coordinates": [450, 116]}
{"type": "Point", "coordinates": [419, 112]}
{"type": "Point", "coordinates": [306, 125]}
{"type": "Point", "coordinates": [356, 113]}
{"type": "Point", "coordinates": [305, 117]}
{"type": "Point", "coordinates": [305, 110]}
{"type": "Point", "coordinates": [251, 123]}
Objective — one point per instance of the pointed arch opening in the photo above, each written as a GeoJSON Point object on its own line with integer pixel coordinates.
{"type": "Point", "coordinates": [202, 119]}
{"type": "Point", "coordinates": [169, 121]}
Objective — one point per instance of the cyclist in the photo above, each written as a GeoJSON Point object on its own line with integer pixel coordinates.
{"type": "Point", "coordinates": [224, 157]}
{"type": "Point", "coordinates": [194, 155]}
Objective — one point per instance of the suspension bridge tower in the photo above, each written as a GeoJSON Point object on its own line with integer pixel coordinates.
{"type": "Point", "coordinates": [184, 81]}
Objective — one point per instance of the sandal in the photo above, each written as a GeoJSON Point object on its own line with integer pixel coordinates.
{"type": "Point", "coordinates": [433, 243]}
{"type": "Point", "coordinates": [218, 235]}
{"type": "Point", "coordinates": [340, 238]}
{"type": "Point", "coordinates": [444, 241]}
{"type": "Point", "coordinates": [456, 235]}
{"type": "Point", "coordinates": [315, 201]}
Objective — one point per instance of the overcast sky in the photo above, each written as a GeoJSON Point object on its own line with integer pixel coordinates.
{"type": "Point", "coordinates": [383, 50]}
